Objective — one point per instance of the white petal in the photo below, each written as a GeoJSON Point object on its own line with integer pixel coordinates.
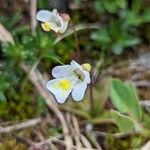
{"type": "Point", "coordinates": [62, 71]}
{"type": "Point", "coordinates": [44, 15]}
{"type": "Point", "coordinates": [87, 77]}
{"type": "Point", "coordinates": [55, 11]}
{"type": "Point", "coordinates": [79, 68]}
{"type": "Point", "coordinates": [55, 28]}
{"type": "Point", "coordinates": [64, 27]}
{"type": "Point", "coordinates": [60, 95]}
{"type": "Point", "coordinates": [79, 91]}
{"type": "Point", "coordinates": [57, 22]}
{"type": "Point", "coordinates": [75, 65]}
{"type": "Point", "coordinates": [51, 17]}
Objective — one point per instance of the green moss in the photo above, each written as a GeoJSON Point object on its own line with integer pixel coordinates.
{"type": "Point", "coordinates": [10, 144]}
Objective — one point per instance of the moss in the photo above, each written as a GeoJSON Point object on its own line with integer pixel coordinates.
{"type": "Point", "coordinates": [9, 144]}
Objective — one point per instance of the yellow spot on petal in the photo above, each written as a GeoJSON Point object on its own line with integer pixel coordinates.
{"type": "Point", "coordinates": [64, 84]}
{"type": "Point", "coordinates": [86, 67]}
{"type": "Point", "coordinates": [46, 26]}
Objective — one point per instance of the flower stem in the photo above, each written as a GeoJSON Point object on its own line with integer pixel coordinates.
{"type": "Point", "coordinates": [91, 96]}
{"type": "Point", "coordinates": [76, 42]}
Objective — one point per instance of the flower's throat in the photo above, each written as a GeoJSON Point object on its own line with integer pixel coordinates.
{"type": "Point", "coordinates": [64, 84]}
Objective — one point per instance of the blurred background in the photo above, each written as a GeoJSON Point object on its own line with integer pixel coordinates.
{"type": "Point", "coordinates": [112, 35]}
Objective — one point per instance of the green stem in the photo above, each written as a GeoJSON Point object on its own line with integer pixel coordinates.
{"type": "Point", "coordinates": [76, 42]}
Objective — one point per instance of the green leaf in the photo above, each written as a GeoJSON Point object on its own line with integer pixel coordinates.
{"type": "Point", "coordinates": [98, 6]}
{"type": "Point", "coordinates": [130, 41]}
{"type": "Point", "coordinates": [133, 19]}
{"type": "Point", "coordinates": [118, 95]}
{"type": "Point", "coordinates": [134, 107]}
{"type": "Point", "coordinates": [20, 29]}
{"type": "Point", "coordinates": [146, 15]}
{"type": "Point", "coordinates": [110, 5]}
{"type": "Point", "coordinates": [124, 123]}
{"type": "Point", "coordinates": [101, 36]}
{"type": "Point", "coordinates": [122, 3]}
{"type": "Point", "coordinates": [124, 98]}
{"type": "Point", "coordinates": [117, 49]}
{"type": "Point", "coordinates": [136, 6]}
{"type": "Point", "coordinates": [14, 20]}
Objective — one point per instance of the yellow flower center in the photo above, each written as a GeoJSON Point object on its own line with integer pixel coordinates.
{"type": "Point", "coordinates": [46, 26]}
{"type": "Point", "coordinates": [86, 67]}
{"type": "Point", "coordinates": [64, 84]}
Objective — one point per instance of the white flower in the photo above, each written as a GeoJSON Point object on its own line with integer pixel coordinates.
{"type": "Point", "coordinates": [52, 20]}
{"type": "Point", "coordinates": [72, 79]}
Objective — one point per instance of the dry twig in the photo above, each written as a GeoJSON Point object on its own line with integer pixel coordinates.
{"type": "Point", "coordinates": [146, 146]}
{"type": "Point", "coordinates": [145, 103]}
{"type": "Point", "coordinates": [33, 7]}
{"type": "Point", "coordinates": [23, 125]}
{"type": "Point", "coordinates": [40, 145]}
{"type": "Point", "coordinates": [5, 36]}
{"type": "Point", "coordinates": [77, 130]}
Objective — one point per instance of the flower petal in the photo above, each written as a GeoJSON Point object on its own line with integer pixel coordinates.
{"type": "Point", "coordinates": [52, 17]}
{"type": "Point", "coordinates": [44, 15]}
{"type": "Point", "coordinates": [65, 19]}
{"type": "Point", "coordinates": [55, 28]}
{"type": "Point", "coordinates": [79, 91]}
{"type": "Point", "coordinates": [55, 12]}
{"type": "Point", "coordinates": [60, 94]}
{"type": "Point", "coordinates": [87, 78]}
{"type": "Point", "coordinates": [86, 74]}
{"type": "Point", "coordinates": [64, 27]}
{"type": "Point", "coordinates": [62, 71]}
{"type": "Point", "coordinates": [75, 65]}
